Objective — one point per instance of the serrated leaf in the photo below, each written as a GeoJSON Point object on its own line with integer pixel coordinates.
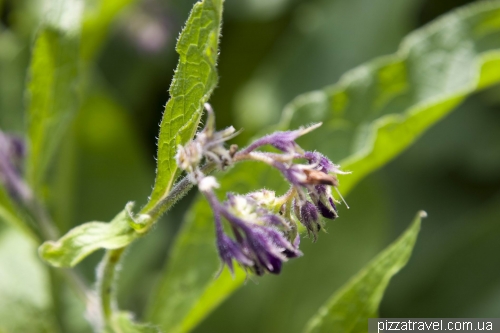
{"type": "Point", "coordinates": [378, 109]}
{"type": "Point", "coordinates": [349, 308]}
{"type": "Point", "coordinates": [194, 80]}
{"type": "Point", "coordinates": [363, 100]}
{"type": "Point", "coordinates": [53, 86]}
{"type": "Point", "coordinates": [123, 322]}
{"type": "Point", "coordinates": [86, 238]}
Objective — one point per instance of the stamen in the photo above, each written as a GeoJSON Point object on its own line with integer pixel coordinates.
{"type": "Point", "coordinates": [341, 197]}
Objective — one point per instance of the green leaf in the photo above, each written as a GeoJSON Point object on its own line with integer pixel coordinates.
{"type": "Point", "coordinates": [53, 87]}
{"type": "Point", "coordinates": [349, 308]}
{"type": "Point", "coordinates": [378, 109]}
{"type": "Point", "coordinates": [123, 322]}
{"type": "Point", "coordinates": [84, 239]}
{"type": "Point", "coordinates": [194, 80]}
{"type": "Point", "coordinates": [24, 286]}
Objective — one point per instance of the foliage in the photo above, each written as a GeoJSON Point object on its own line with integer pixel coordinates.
{"type": "Point", "coordinates": [374, 113]}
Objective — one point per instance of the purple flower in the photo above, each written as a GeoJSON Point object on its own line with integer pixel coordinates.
{"type": "Point", "coordinates": [260, 243]}
{"type": "Point", "coordinates": [229, 249]}
{"type": "Point", "coordinates": [322, 198]}
{"type": "Point", "coordinates": [284, 141]}
{"type": "Point", "coordinates": [264, 232]}
{"type": "Point", "coordinates": [322, 163]}
{"type": "Point", "coordinates": [307, 213]}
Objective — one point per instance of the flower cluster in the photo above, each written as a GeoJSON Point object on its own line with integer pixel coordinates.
{"type": "Point", "coordinates": [264, 226]}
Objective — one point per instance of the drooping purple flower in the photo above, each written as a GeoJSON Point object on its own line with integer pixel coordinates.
{"type": "Point", "coordinates": [259, 243]}
{"type": "Point", "coordinates": [267, 255]}
{"type": "Point", "coordinates": [322, 198]}
{"type": "Point", "coordinates": [229, 249]}
{"type": "Point", "coordinates": [268, 247]}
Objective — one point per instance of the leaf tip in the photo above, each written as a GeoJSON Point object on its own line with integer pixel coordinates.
{"type": "Point", "coordinates": [48, 250]}
{"type": "Point", "coordinates": [422, 214]}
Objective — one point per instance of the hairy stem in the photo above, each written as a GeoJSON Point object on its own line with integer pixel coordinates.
{"type": "Point", "coordinates": [106, 274]}
{"type": "Point", "coordinates": [179, 190]}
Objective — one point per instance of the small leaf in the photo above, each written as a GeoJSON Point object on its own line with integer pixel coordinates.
{"type": "Point", "coordinates": [349, 308]}
{"type": "Point", "coordinates": [123, 322]}
{"type": "Point", "coordinates": [194, 80]}
{"type": "Point", "coordinates": [84, 239]}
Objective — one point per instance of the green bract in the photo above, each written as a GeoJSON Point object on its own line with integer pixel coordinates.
{"type": "Point", "coordinates": [81, 241]}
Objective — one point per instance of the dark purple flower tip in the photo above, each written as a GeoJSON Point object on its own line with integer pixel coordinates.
{"type": "Point", "coordinates": [308, 213]}
{"type": "Point", "coordinates": [323, 163]}
{"type": "Point", "coordinates": [327, 212]}
{"type": "Point", "coordinates": [268, 248]}
{"type": "Point", "coordinates": [264, 253]}
{"type": "Point", "coordinates": [229, 250]}
{"type": "Point", "coordinates": [296, 252]}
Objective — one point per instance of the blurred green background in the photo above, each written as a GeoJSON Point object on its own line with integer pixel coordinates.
{"type": "Point", "coordinates": [271, 51]}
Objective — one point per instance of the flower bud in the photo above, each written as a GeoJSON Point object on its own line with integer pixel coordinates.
{"type": "Point", "coordinates": [310, 219]}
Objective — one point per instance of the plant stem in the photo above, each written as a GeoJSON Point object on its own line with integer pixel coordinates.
{"type": "Point", "coordinates": [179, 190]}
{"type": "Point", "coordinates": [105, 282]}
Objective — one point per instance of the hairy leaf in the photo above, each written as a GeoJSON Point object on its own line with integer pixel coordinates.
{"type": "Point", "coordinates": [194, 80]}
{"type": "Point", "coordinates": [349, 308]}
{"type": "Point", "coordinates": [373, 96]}
{"type": "Point", "coordinates": [377, 110]}
{"type": "Point", "coordinates": [54, 85]}
{"type": "Point", "coordinates": [84, 239]}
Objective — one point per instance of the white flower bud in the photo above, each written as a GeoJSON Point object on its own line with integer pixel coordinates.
{"type": "Point", "coordinates": [208, 183]}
